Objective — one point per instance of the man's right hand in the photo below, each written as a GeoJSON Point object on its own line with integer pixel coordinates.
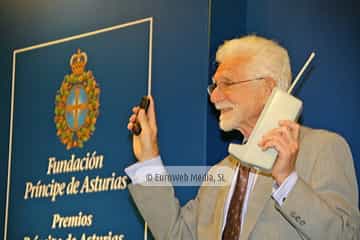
{"type": "Point", "coordinates": [145, 145]}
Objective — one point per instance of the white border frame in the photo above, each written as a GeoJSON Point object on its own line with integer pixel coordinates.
{"type": "Point", "coordinates": [46, 44]}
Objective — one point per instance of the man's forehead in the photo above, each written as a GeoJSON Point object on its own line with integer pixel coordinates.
{"type": "Point", "coordinates": [232, 66]}
{"type": "Point", "coordinates": [235, 61]}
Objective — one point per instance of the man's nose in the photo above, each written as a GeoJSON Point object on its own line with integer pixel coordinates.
{"type": "Point", "coordinates": [217, 95]}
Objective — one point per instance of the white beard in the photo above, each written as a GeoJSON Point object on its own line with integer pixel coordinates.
{"type": "Point", "coordinates": [226, 125]}
{"type": "Point", "coordinates": [230, 119]}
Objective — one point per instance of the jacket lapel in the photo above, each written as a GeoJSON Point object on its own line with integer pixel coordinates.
{"type": "Point", "coordinates": [223, 192]}
{"type": "Point", "coordinates": [257, 201]}
{"type": "Point", "coordinates": [260, 195]}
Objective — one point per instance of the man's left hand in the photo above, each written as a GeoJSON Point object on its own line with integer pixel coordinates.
{"type": "Point", "coordinates": [285, 139]}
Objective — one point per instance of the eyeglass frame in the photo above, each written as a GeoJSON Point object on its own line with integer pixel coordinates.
{"type": "Point", "coordinates": [214, 85]}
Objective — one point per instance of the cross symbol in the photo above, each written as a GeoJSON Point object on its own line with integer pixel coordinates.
{"type": "Point", "coordinates": [76, 108]}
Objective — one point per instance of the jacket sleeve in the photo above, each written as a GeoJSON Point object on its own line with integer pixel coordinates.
{"type": "Point", "coordinates": [161, 210]}
{"type": "Point", "coordinates": [326, 205]}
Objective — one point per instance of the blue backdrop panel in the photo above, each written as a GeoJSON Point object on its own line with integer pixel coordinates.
{"type": "Point", "coordinates": [180, 76]}
{"type": "Point", "coordinates": [330, 88]}
{"type": "Point", "coordinates": [39, 74]}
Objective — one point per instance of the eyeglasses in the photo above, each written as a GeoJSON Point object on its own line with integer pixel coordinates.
{"type": "Point", "coordinates": [223, 86]}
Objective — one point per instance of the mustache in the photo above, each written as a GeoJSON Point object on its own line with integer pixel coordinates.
{"type": "Point", "coordinates": [223, 105]}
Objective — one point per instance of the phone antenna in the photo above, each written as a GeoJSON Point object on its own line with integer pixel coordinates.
{"type": "Point", "coordinates": [298, 76]}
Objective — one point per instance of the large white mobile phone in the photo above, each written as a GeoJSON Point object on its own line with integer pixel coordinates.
{"type": "Point", "coordinates": [280, 105]}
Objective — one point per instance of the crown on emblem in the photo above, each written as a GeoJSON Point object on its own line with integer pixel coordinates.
{"type": "Point", "coordinates": [78, 62]}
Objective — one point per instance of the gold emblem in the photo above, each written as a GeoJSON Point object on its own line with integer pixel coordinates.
{"type": "Point", "coordinates": [77, 104]}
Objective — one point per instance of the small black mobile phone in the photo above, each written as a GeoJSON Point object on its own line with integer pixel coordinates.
{"type": "Point", "coordinates": [144, 104]}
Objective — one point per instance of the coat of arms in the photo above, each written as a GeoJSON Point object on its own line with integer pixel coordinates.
{"type": "Point", "coordinates": [77, 104]}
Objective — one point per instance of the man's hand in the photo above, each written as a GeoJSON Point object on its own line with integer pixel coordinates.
{"type": "Point", "coordinates": [145, 146]}
{"type": "Point", "coordinates": [285, 140]}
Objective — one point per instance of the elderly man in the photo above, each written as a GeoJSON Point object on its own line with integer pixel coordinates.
{"type": "Point", "coordinates": [311, 193]}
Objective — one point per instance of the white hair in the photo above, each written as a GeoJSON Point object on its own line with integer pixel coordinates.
{"type": "Point", "coordinates": [268, 58]}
